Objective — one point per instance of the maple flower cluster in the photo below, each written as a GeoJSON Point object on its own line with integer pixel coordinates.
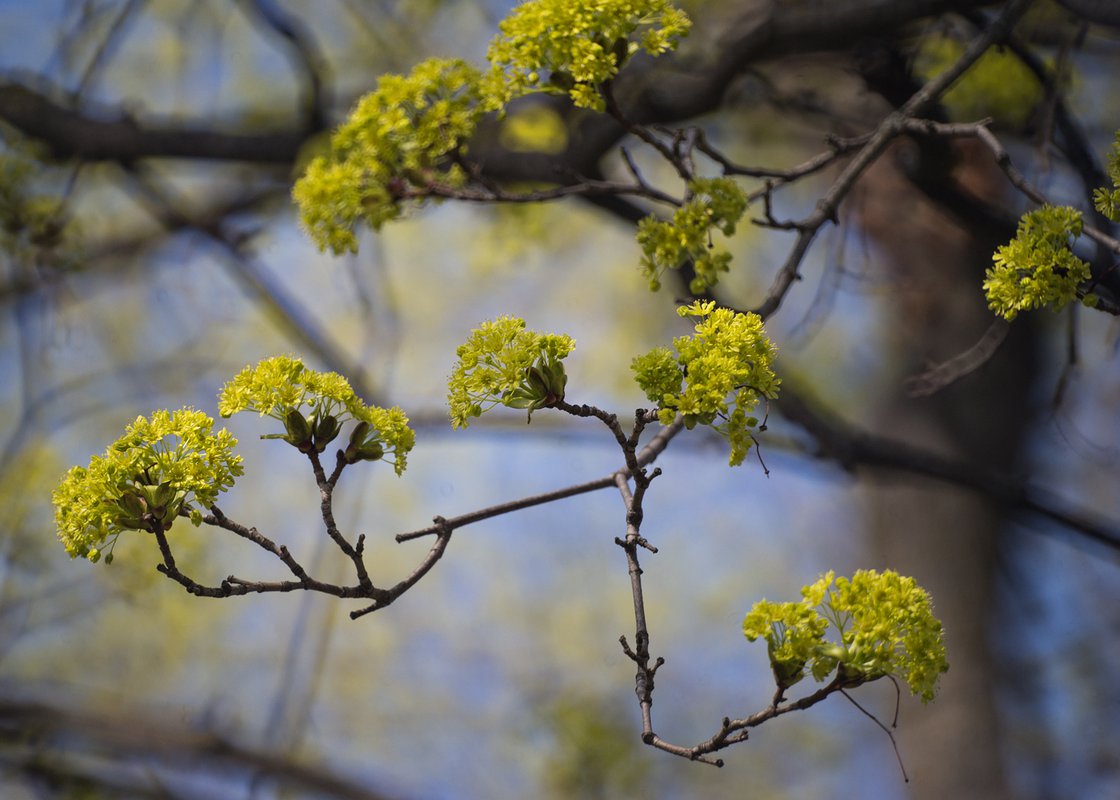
{"type": "Point", "coordinates": [715, 203]}
{"type": "Point", "coordinates": [313, 406]}
{"type": "Point", "coordinates": [164, 465]}
{"type": "Point", "coordinates": [717, 377]}
{"type": "Point", "coordinates": [999, 85]}
{"type": "Point", "coordinates": [561, 47]}
{"type": "Point", "coordinates": [398, 145]}
{"type": "Point", "coordinates": [1107, 201]}
{"type": "Point", "coordinates": [883, 624]}
{"type": "Point", "coordinates": [503, 363]}
{"type": "Point", "coordinates": [174, 464]}
{"type": "Point", "coordinates": [403, 142]}
{"type": "Point", "coordinates": [1038, 267]}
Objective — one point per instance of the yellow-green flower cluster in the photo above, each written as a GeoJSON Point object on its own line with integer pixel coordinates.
{"type": "Point", "coordinates": [1038, 267]}
{"type": "Point", "coordinates": [725, 369]}
{"type": "Point", "coordinates": [572, 48]}
{"type": "Point", "coordinates": [883, 624]}
{"type": "Point", "coordinates": [159, 468]}
{"type": "Point", "coordinates": [998, 85]}
{"type": "Point", "coordinates": [793, 632]}
{"type": "Point", "coordinates": [397, 143]}
{"type": "Point", "coordinates": [32, 225]}
{"type": "Point", "coordinates": [282, 388]}
{"type": "Point", "coordinates": [715, 203]}
{"type": "Point", "coordinates": [502, 363]}
{"type": "Point", "coordinates": [402, 140]}
{"type": "Point", "coordinates": [1107, 201]}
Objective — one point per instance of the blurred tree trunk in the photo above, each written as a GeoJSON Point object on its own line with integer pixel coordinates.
{"type": "Point", "coordinates": [945, 537]}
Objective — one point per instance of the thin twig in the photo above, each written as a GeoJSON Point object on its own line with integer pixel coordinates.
{"type": "Point", "coordinates": [938, 376]}
{"type": "Point", "coordinates": [650, 452]}
{"type": "Point", "coordinates": [892, 126]}
{"type": "Point", "coordinates": [885, 729]}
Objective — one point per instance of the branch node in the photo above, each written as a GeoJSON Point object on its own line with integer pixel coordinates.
{"type": "Point", "coordinates": [627, 650]}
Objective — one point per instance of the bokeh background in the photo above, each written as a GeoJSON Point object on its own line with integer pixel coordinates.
{"type": "Point", "coordinates": [500, 675]}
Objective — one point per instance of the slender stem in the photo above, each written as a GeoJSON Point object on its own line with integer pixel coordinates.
{"type": "Point", "coordinates": [326, 507]}
{"type": "Point", "coordinates": [892, 126]}
{"type": "Point", "coordinates": [646, 456]}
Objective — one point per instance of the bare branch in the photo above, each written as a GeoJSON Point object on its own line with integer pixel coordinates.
{"type": "Point", "coordinates": [647, 455]}
{"type": "Point", "coordinates": [893, 125]}
{"type": "Point", "coordinates": [110, 135]}
{"type": "Point", "coordinates": [938, 376]}
{"type": "Point", "coordinates": [78, 739]}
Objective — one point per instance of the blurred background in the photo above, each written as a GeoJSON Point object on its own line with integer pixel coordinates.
{"type": "Point", "coordinates": [151, 251]}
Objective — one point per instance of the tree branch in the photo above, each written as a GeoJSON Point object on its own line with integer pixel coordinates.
{"type": "Point", "coordinates": [114, 136]}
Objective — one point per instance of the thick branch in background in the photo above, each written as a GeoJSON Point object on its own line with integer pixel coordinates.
{"type": "Point", "coordinates": [132, 755]}
{"type": "Point", "coordinates": [1102, 12]}
{"type": "Point", "coordinates": [111, 135]}
{"type": "Point", "coordinates": [674, 89]}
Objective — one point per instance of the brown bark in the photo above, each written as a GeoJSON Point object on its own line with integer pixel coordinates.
{"type": "Point", "coordinates": [947, 538]}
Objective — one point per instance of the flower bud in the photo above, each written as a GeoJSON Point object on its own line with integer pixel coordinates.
{"type": "Point", "coordinates": [299, 430]}
{"type": "Point", "coordinates": [132, 504]}
{"type": "Point", "coordinates": [357, 439]}
{"type": "Point", "coordinates": [361, 447]}
{"type": "Point", "coordinates": [371, 451]}
{"type": "Point", "coordinates": [326, 429]}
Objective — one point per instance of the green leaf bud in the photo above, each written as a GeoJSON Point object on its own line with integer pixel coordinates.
{"type": "Point", "coordinates": [362, 446]}
{"type": "Point", "coordinates": [131, 523]}
{"type": "Point", "coordinates": [299, 430]}
{"type": "Point", "coordinates": [371, 451]}
{"type": "Point", "coordinates": [326, 428]}
{"type": "Point", "coordinates": [357, 439]}
{"type": "Point", "coordinates": [162, 495]}
{"type": "Point", "coordinates": [132, 504]}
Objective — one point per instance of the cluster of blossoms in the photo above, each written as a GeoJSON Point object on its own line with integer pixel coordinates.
{"type": "Point", "coordinates": [403, 140]}
{"type": "Point", "coordinates": [999, 85]}
{"type": "Point", "coordinates": [173, 464]}
{"type": "Point", "coordinates": [716, 203]}
{"type": "Point", "coordinates": [502, 363]}
{"type": "Point", "coordinates": [1107, 201]}
{"type": "Point", "coordinates": [717, 377]}
{"type": "Point", "coordinates": [32, 223]}
{"type": "Point", "coordinates": [397, 144]}
{"type": "Point", "coordinates": [284, 389]}
{"type": "Point", "coordinates": [562, 47]}
{"type": "Point", "coordinates": [160, 468]}
{"type": "Point", "coordinates": [1038, 267]}
{"type": "Point", "coordinates": [884, 625]}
